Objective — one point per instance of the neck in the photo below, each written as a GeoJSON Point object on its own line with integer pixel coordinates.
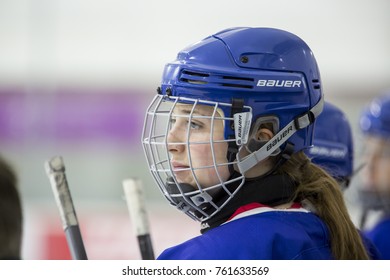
{"type": "Point", "coordinates": [284, 205]}
{"type": "Point", "coordinates": [274, 190]}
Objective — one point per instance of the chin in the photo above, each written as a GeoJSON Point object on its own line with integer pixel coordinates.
{"type": "Point", "coordinates": [185, 181]}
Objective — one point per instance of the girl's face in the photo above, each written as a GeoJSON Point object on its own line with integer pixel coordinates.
{"type": "Point", "coordinates": [376, 174]}
{"type": "Point", "coordinates": [193, 144]}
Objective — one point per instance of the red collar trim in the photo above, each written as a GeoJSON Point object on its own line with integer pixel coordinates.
{"type": "Point", "coordinates": [255, 205]}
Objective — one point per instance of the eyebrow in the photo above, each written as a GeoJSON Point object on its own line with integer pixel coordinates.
{"type": "Point", "coordinates": [196, 112]}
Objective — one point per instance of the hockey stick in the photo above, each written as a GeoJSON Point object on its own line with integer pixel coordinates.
{"type": "Point", "coordinates": [55, 169]}
{"type": "Point", "coordinates": [136, 206]}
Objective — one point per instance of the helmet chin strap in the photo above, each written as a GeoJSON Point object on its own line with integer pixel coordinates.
{"type": "Point", "coordinates": [180, 194]}
{"type": "Point", "coordinates": [195, 201]}
{"type": "Point", "coordinates": [285, 155]}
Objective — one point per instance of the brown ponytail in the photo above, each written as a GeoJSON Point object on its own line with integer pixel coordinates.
{"type": "Point", "coordinates": [323, 192]}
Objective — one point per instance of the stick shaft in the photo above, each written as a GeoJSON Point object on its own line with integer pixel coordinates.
{"type": "Point", "coordinates": [73, 236]}
{"type": "Point", "coordinates": [55, 169]}
{"type": "Point", "coordinates": [137, 210]}
{"type": "Point", "coordinates": [146, 248]}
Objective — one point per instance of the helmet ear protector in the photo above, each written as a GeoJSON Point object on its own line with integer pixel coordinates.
{"type": "Point", "coordinates": [273, 145]}
{"type": "Point", "coordinates": [254, 143]}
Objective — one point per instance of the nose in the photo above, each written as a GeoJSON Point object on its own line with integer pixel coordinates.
{"type": "Point", "coordinates": [175, 141]}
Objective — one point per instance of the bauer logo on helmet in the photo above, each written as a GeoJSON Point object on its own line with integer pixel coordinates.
{"type": "Point", "coordinates": [278, 83]}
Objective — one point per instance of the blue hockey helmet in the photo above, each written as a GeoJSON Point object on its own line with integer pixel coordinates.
{"type": "Point", "coordinates": [249, 76]}
{"type": "Point", "coordinates": [272, 71]}
{"type": "Point", "coordinates": [333, 144]}
{"type": "Point", "coordinates": [375, 119]}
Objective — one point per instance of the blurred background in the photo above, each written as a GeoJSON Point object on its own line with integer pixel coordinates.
{"type": "Point", "coordinates": [76, 77]}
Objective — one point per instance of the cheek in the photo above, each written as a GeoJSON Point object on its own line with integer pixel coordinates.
{"type": "Point", "coordinates": [383, 174]}
{"type": "Point", "coordinates": [202, 155]}
{"type": "Point", "coordinates": [209, 176]}
{"type": "Point", "coordinates": [377, 175]}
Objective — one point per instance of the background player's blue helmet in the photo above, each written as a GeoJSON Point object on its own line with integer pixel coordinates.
{"type": "Point", "coordinates": [251, 76]}
{"type": "Point", "coordinates": [333, 144]}
{"type": "Point", "coordinates": [375, 119]}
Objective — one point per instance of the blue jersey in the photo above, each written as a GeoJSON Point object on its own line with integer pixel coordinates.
{"type": "Point", "coordinates": [379, 235]}
{"type": "Point", "coordinates": [259, 234]}
{"type": "Point", "coordinates": [371, 249]}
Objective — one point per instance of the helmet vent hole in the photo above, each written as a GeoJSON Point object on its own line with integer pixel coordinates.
{"type": "Point", "coordinates": [216, 80]}
{"type": "Point", "coordinates": [236, 82]}
{"type": "Point", "coordinates": [197, 74]}
{"type": "Point", "coordinates": [238, 78]}
{"type": "Point", "coordinates": [316, 84]}
{"type": "Point", "coordinates": [244, 59]}
{"type": "Point", "coordinates": [194, 77]}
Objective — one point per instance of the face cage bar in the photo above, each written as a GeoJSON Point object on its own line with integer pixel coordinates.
{"type": "Point", "coordinates": [156, 148]}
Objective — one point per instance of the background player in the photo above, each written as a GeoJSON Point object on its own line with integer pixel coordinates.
{"type": "Point", "coordinates": [375, 194]}
{"type": "Point", "coordinates": [11, 218]}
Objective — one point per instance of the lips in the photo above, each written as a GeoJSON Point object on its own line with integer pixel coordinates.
{"type": "Point", "coordinates": [177, 166]}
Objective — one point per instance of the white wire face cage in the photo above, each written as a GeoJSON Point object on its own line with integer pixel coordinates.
{"type": "Point", "coordinates": [186, 151]}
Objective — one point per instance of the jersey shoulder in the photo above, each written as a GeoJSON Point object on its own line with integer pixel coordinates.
{"type": "Point", "coordinates": [270, 235]}
{"type": "Point", "coordinates": [379, 236]}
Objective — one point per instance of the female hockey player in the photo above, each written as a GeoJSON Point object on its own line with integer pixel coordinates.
{"type": "Point", "coordinates": [375, 195]}
{"type": "Point", "coordinates": [225, 138]}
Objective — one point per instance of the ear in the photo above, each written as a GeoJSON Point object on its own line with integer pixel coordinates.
{"type": "Point", "coordinates": [264, 134]}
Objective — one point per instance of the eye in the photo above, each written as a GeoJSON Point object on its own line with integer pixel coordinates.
{"type": "Point", "coordinates": [172, 121]}
{"type": "Point", "coordinates": [185, 123]}
{"type": "Point", "coordinates": [195, 125]}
